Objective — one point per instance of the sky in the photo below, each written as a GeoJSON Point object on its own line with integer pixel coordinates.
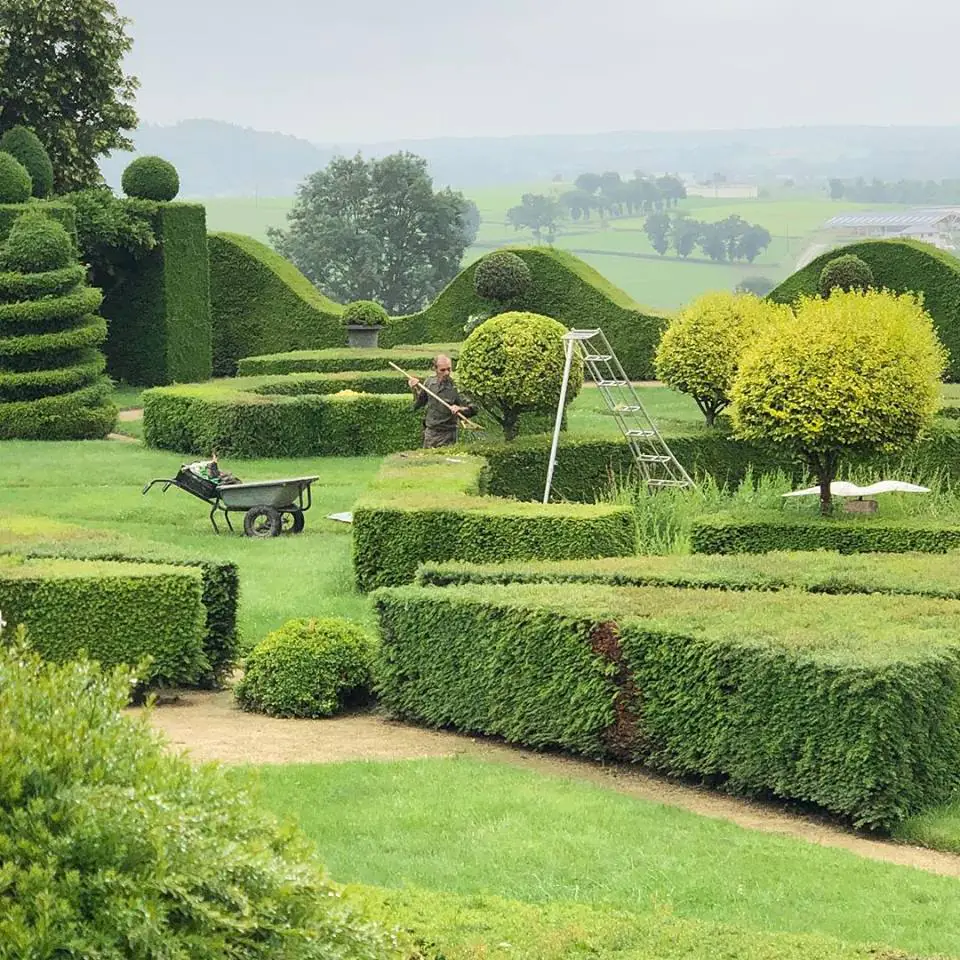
{"type": "Point", "coordinates": [364, 71]}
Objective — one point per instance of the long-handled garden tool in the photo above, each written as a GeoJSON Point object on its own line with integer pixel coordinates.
{"type": "Point", "coordinates": [465, 421]}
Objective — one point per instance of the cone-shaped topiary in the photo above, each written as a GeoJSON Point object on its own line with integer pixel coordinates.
{"type": "Point", "coordinates": [151, 178]}
{"type": "Point", "coordinates": [307, 668]}
{"type": "Point", "coordinates": [513, 364]}
{"type": "Point", "coordinates": [15, 182]}
{"type": "Point", "coordinates": [24, 145]}
{"type": "Point", "coordinates": [845, 273]}
{"type": "Point", "coordinates": [502, 277]}
{"type": "Point", "coordinates": [51, 370]}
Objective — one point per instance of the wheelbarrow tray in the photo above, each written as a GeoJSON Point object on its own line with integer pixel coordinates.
{"type": "Point", "coordinates": [265, 493]}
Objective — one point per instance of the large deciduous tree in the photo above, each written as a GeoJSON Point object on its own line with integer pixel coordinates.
{"type": "Point", "coordinates": [537, 213]}
{"type": "Point", "coordinates": [61, 75]}
{"type": "Point", "coordinates": [856, 374]}
{"type": "Point", "coordinates": [377, 230]}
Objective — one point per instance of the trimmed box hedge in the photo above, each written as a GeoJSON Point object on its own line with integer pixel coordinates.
{"type": "Point", "coordinates": [117, 613]}
{"type": "Point", "coordinates": [63, 213]}
{"type": "Point", "coordinates": [848, 702]}
{"type": "Point", "coordinates": [426, 506]}
{"type": "Point", "coordinates": [346, 359]}
{"type": "Point", "coordinates": [765, 533]}
{"type": "Point", "coordinates": [40, 537]}
{"type": "Point", "coordinates": [922, 575]}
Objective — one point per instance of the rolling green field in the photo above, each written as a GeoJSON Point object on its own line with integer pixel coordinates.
{"type": "Point", "coordinates": [619, 249]}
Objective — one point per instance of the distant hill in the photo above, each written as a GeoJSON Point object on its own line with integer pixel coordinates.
{"type": "Point", "coordinates": [220, 159]}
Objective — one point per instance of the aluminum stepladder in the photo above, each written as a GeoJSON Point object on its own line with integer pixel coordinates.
{"type": "Point", "coordinates": [657, 465]}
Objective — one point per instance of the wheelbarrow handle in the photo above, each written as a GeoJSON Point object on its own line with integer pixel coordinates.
{"type": "Point", "coordinates": [166, 484]}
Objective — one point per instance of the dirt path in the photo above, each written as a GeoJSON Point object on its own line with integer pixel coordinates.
{"type": "Point", "coordinates": [127, 415]}
{"type": "Point", "coordinates": [210, 727]}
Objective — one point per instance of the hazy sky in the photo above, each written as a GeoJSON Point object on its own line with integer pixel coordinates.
{"type": "Point", "coordinates": [368, 70]}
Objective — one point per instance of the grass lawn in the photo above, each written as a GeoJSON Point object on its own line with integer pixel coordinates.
{"type": "Point", "coordinates": [541, 839]}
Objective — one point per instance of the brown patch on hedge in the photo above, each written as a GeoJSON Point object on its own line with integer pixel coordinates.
{"type": "Point", "coordinates": [624, 737]}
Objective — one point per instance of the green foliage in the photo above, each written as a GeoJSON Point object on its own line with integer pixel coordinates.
{"type": "Point", "coordinates": [344, 359]}
{"type": "Point", "coordinates": [858, 373]}
{"type": "Point", "coordinates": [900, 266]}
{"type": "Point", "coordinates": [51, 383]}
{"type": "Point", "coordinates": [700, 350]}
{"type": "Point", "coordinates": [846, 272]}
{"type": "Point", "coordinates": [365, 313]}
{"type": "Point", "coordinates": [116, 613]}
{"type": "Point", "coordinates": [745, 687]}
{"type": "Point", "coordinates": [159, 309]}
{"type": "Point", "coordinates": [513, 364]}
{"type": "Point", "coordinates": [307, 668]}
{"type": "Point", "coordinates": [15, 183]}
{"type": "Point", "coordinates": [538, 213]}
{"type": "Point", "coordinates": [376, 230]}
{"type": "Point", "coordinates": [504, 278]}
{"type": "Point", "coordinates": [151, 178]}
{"type": "Point", "coordinates": [61, 212]}
{"type": "Point", "coordinates": [24, 145]}
{"type": "Point", "coordinates": [261, 303]}
{"type": "Point", "coordinates": [422, 507]}
{"type": "Point", "coordinates": [767, 532]}
{"type": "Point", "coordinates": [113, 845]}
{"type": "Point", "coordinates": [36, 244]}
{"type": "Point", "coordinates": [75, 96]}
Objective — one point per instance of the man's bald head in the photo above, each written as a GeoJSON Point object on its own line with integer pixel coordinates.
{"type": "Point", "coordinates": [443, 366]}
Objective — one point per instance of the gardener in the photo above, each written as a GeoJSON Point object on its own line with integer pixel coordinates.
{"type": "Point", "coordinates": [440, 422]}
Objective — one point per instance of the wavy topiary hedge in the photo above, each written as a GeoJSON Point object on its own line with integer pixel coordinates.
{"type": "Point", "coordinates": [848, 702]}
{"type": "Point", "coordinates": [901, 266]}
{"type": "Point", "coordinates": [427, 506]}
{"type": "Point", "coordinates": [261, 303]}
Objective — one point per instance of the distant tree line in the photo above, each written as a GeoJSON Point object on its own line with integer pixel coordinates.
{"type": "Point", "coordinates": [915, 192]}
{"type": "Point", "coordinates": [730, 239]}
{"type": "Point", "coordinates": [607, 195]}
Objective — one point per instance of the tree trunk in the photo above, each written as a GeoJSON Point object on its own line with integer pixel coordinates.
{"type": "Point", "coordinates": [825, 469]}
{"type": "Point", "coordinates": [511, 424]}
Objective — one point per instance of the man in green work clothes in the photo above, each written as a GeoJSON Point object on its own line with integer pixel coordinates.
{"type": "Point", "coordinates": [439, 421]}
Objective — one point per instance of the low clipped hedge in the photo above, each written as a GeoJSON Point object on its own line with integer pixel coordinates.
{"type": "Point", "coordinates": [922, 575]}
{"type": "Point", "coordinates": [117, 613]}
{"type": "Point", "coordinates": [345, 360]}
{"type": "Point", "coordinates": [848, 702]}
{"type": "Point", "coordinates": [426, 506]}
{"type": "Point", "coordinates": [773, 532]}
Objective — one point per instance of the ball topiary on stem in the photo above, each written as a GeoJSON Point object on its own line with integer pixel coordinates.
{"type": "Point", "coordinates": [365, 313]}
{"type": "Point", "coordinates": [24, 145]}
{"type": "Point", "coordinates": [307, 668]}
{"type": "Point", "coordinates": [151, 178]}
{"type": "Point", "coordinates": [502, 277]}
{"type": "Point", "coordinates": [15, 182]}
{"type": "Point", "coordinates": [845, 273]}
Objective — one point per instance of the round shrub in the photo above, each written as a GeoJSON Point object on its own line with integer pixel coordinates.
{"type": "Point", "coordinates": [15, 182]}
{"type": "Point", "coordinates": [846, 273]}
{"type": "Point", "coordinates": [37, 243]}
{"type": "Point", "coordinates": [151, 178]}
{"type": "Point", "coordinates": [502, 277]}
{"type": "Point", "coordinates": [115, 847]}
{"type": "Point", "coordinates": [513, 364]}
{"type": "Point", "coordinates": [365, 313]}
{"type": "Point", "coordinates": [307, 668]}
{"type": "Point", "coordinates": [24, 145]}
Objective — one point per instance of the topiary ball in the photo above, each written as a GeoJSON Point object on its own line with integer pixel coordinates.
{"type": "Point", "coordinates": [502, 277]}
{"type": "Point", "coordinates": [24, 145]}
{"type": "Point", "coordinates": [15, 182]}
{"type": "Point", "coordinates": [307, 668]}
{"type": "Point", "coordinates": [36, 244]}
{"type": "Point", "coordinates": [846, 273]}
{"type": "Point", "coordinates": [365, 313]}
{"type": "Point", "coordinates": [151, 178]}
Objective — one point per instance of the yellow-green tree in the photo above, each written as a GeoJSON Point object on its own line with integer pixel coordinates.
{"type": "Point", "coordinates": [856, 374]}
{"type": "Point", "coordinates": [700, 350]}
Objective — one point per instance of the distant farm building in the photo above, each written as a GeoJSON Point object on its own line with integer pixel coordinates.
{"type": "Point", "coordinates": [940, 227]}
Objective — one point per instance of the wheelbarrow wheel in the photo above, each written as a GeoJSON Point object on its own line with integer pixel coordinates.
{"type": "Point", "coordinates": [262, 522]}
{"type": "Point", "coordinates": [292, 522]}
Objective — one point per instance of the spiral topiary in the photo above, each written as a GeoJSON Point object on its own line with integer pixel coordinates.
{"type": "Point", "coordinates": [365, 313]}
{"type": "Point", "coordinates": [24, 145]}
{"type": "Point", "coordinates": [502, 277]}
{"type": "Point", "coordinates": [151, 178]}
{"type": "Point", "coordinates": [307, 668]}
{"type": "Point", "coordinates": [846, 273]}
{"type": "Point", "coordinates": [52, 385]}
{"type": "Point", "coordinates": [15, 182]}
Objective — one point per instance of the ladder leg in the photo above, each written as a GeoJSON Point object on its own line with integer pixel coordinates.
{"type": "Point", "coordinates": [567, 363]}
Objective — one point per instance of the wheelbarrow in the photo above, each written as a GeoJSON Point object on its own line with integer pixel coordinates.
{"type": "Point", "coordinates": [269, 507]}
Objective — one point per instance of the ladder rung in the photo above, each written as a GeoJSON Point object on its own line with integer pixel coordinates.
{"type": "Point", "coordinates": [623, 408]}
{"type": "Point", "coordinates": [580, 334]}
{"type": "Point", "coordinates": [653, 458]}
{"type": "Point", "coordinates": [640, 433]}
{"type": "Point", "coordinates": [597, 357]}
{"type": "Point", "coordinates": [612, 383]}
{"type": "Point", "coordinates": [668, 483]}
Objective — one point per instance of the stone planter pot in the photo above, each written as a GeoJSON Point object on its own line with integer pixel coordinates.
{"type": "Point", "coordinates": [359, 335]}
